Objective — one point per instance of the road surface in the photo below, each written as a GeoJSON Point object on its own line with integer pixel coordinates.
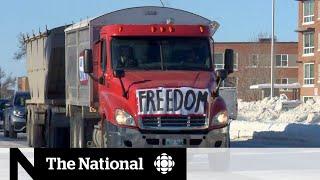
{"type": "Point", "coordinates": [6, 142]}
{"type": "Point", "coordinates": [21, 142]}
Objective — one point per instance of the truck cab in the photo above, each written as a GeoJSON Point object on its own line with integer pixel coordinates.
{"type": "Point", "coordinates": [157, 87]}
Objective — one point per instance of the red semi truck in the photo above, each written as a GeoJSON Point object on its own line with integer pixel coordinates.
{"type": "Point", "coordinates": [137, 77]}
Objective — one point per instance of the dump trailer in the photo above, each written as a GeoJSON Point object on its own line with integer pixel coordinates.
{"type": "Point", "coordinates": [137, 77]}
{"type": "Point", "coordinates": [47, 124]}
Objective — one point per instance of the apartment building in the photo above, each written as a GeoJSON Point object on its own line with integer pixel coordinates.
{"type": "Point", "coordinates": [252, 67]}
{"type": "Point", "coordinates": [309, 48]}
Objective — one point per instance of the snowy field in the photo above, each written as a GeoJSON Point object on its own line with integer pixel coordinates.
{"type": "Point", "coordinates": [277, 122]}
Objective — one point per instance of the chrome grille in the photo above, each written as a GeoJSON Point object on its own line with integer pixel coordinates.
{"type": "Point", "coordinates": [174, 122]}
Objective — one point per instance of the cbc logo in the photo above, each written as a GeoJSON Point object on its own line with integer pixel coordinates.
{"type": "Point", "coordinates": [164, 163]}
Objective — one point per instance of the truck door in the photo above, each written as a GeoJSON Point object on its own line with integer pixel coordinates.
{"type": "Point", "coordinates": [102, 69]}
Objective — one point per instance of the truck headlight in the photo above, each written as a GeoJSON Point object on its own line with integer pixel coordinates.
{"type": "Point", "coordinates": [220, 119]}
{"type": "Point", "coordinates": [124, 118]}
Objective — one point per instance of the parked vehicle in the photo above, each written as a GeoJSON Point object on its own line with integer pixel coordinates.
{"type": "Point", "coordinates": [3, 105]}
{"type": "Point", "coordinates": [143, 81]}
{"type": "Point", "coordinates": [15, 116]}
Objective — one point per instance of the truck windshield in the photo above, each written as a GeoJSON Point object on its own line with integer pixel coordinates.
{"type": "Point", "coordinates": [161, 54]}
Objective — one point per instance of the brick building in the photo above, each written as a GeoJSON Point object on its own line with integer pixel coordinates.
{"type": "Point", "coordinates": [309, 48]}
{"type": "Point", "coordinates": [23, 83]}
{"type": "Point", "coordinates": [252, 64]}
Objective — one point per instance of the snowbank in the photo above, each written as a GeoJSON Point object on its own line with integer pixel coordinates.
{"type": "Point", "coordinates": [270, 120]}
{"type": "Point", "coordinates": [272, 110]}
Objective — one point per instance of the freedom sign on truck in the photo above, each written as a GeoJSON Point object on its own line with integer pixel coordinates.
{"type": "Point", "coordinates": [182, 101]}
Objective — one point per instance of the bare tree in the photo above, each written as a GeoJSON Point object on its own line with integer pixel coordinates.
{"type": "Point", "coordinates": [21, 51]}
{"type": "Point", "coordinates": [7, 83]}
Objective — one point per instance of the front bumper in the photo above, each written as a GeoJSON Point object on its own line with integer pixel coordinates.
{"type": "Point", "coordinates": [126, 137]}
{"type": "Point", "coordinates": [18, 123]}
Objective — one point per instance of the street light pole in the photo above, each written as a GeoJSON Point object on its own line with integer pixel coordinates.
{"type": "Point", "coordinates": [272, 51]}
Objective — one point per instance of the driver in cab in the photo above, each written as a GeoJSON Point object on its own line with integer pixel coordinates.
{"type": "Point", "coordinates": [126, 58]}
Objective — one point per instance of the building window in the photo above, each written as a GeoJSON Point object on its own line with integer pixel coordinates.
{"type": "Point", "coordinates": [282, 60]}
{"type": "Point", "coordinates": [219, 61]}
{"type": "Point", "coordinates": [308, 11]}
{"type": "Point", "coordinates": [308, 43]}
{"type": "Point", "coordinates": [283, 81]}
{"type": "Point", "coordinates": [235, 61]}
{"type": "Point", "coordinates": [254, 60]}
{"type": "Point", "coordinates": [309, 73]}
{"type": "Point", "coordinates": [306, 98]}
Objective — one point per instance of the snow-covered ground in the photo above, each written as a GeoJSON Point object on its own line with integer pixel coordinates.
{"type": "Point", "coordinates": [270, 122]}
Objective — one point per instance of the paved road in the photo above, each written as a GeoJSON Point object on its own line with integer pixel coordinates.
{"type": "Point", "coordinates": [21, 141]}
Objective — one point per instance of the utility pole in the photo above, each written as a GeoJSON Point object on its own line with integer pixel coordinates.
{"type": "Point", "coordinates": [272, 51]}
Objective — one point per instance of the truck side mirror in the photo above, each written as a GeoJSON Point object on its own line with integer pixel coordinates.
{"type": "Point", "coordinates": [87, 61]}
{"type": "Point", "coordinates": [228, 60]}
{"type": "Point", "coordinates": [118, 73]}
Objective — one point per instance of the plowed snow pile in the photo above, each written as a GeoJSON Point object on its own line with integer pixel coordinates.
{"type": "Point", "coordinates": [270, 122]}
{"type": "Point", "coordinates": [272, 110]}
